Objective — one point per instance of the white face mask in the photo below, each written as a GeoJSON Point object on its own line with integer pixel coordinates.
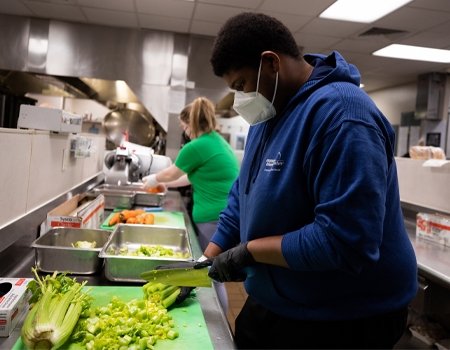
{"type": "Point", "coordinates": [253, 106]}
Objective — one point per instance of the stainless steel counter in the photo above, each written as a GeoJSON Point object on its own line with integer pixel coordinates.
{"type": "Point", "coordinates": [215, 318]}
{"type": "Point", "coordinates": [433, 259]}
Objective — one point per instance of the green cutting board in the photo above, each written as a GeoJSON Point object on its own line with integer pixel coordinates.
{"type": "Point", "coordinates": [188, 317]}
{"type": "Point", "coordinates": [162, 218]}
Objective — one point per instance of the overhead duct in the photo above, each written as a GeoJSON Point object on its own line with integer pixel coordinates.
{"type": "Point", "coordinates": [432, 99]}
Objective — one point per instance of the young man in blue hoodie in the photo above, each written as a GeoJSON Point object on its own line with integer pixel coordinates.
{"type": "Point", "coordinates": [313, 223]}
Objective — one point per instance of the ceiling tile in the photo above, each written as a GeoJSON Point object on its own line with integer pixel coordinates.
{"type": "Point", "coordinates": [333, 28]}
{"type": "Point", "coordinates": [180, 25]}
{"type": "Point", "coordinates": [443, 28]}
{"type": "Point", "coordinates": [122, 5]}
{"type": "Point", "coordinates": [403, 67]}
{"type": "Point", "coordinates": [362, 45]}
{"type": "Point", "coordinates": [296, 7]}
{"type": "Point", "coordinates": [401, 19]}
{"type": "Point", "coordinates": [215, 13]}
{"type": "Point", "coordinates": [56, 11]}
{"type": "Point", "coordinates": [313, 40]}
{"type": "Point", "coordinates": [168, 8]}
{"type": "Point", "coordinates": [431, 39]}
{"type": "Point", "coordinates": [205, 28]}
{"type": "Point", "coordinates": [247, 4]}
{"type": "Point", "coordinates": [360, 60]}
{"type": "Point", "coordinates": [14, 7]}
{"type": "Point", "coordinates": [441, 5]}
{"type": "Point", "coordinates": [107, 17]}
{"type": "Point", "coordinates": [293, 22]}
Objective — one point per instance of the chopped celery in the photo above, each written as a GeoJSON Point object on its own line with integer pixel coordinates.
{"type": "Point", "coordinates": [136, 324]}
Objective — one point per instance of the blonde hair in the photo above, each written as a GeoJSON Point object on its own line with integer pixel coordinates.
{"type": "Point", "coordinates": [200, 116]}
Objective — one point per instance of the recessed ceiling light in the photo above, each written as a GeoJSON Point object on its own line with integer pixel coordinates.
{"type": "Point", "coordinates": [364, 11]}
{"type": "Point", "coordinates": [417, 53]}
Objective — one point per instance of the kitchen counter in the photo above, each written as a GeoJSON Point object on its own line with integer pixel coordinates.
{"type": "Point", "coordinates": [433, 259]}
{"type": "Point", "coordinates": [215, 318]}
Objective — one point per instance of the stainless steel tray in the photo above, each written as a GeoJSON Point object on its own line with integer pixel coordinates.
{"type": "Point", "coordinates": [148, 199]}
{"type": "Point", "coordinates": [126, 196]}
{"type": "Point", "coordinates": [143, 197]}
{"type": "Point", "coordinates": [54, 250]}
{"type": "Point", "coordinates": [115, 198]}
{"type": "Point", "coordinates": [126, 268]}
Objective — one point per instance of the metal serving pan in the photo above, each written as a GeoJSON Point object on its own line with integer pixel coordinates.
{"type": "Point", "coordinates": [148, 199]}
{"type": "Point", "coordinates": [142, 197]}
{"type": "Point", "coordinates": [115, 197]}
{"type": "Point", "coordinates": [127, 268]}
{"type": "Point", "coordinates": [54, 250]}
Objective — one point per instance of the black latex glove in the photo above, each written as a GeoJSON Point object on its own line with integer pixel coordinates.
{"type": "Point", "coordinates": [185, 291]}
{"type": "Point", "coordinates": [229, 265]}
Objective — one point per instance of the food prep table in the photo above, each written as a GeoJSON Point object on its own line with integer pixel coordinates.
{"type": "Point", "coordinates": [433, 296]}
{"type": "Point", "coordinates": [215, 318]}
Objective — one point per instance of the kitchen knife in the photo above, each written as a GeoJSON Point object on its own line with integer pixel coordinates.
{"type": "Point", "coordinates": [180, 276]}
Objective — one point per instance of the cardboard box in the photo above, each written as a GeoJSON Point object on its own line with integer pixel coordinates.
{"type": "Point", "coordinates": [434, 227]}
{"type": "Point", "coordinates": [13, 303]}
{"type": "Point", "coordinates": [80, 211]}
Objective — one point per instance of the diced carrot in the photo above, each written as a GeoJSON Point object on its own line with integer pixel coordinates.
{"type": "Point", "coordinates": [140, 218]}
{"type": "Point", "coordinates": [149, 219]}
{"type": "Point", "coordinates": [126, 214]}
{"type": "Point", "coordinates": [114, 219]}
{"type": "Point", "coordinates": [131, 220]}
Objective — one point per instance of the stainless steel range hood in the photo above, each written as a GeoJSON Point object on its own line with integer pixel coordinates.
{"type": "Point", "coordinates": [21, 83]}
{"type": "Point", "coordinates": [114, 66]}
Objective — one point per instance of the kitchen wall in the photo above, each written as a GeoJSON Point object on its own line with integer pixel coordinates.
{"type": "Point", "coordinates": [427, 187]}
{"type": "Point", "coordinates": [396, 100]}
{"type": "Point", "coordinates": [400, 99]}
{"type": "Point", "coordinates": [38, 166]}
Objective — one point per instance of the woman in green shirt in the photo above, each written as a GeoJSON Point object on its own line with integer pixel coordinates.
{"type": "Point", "coordinates": [207, 162]}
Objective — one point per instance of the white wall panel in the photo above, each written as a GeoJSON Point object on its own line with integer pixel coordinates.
{"type": "Point", "coordinates": [424, 186]}
{"type": "Point", "coordinates": [15, 153]}
{"type": "Point", "coordinates": [47, 176]}
{"type": "Point", "coordinates": [94, 163]}
{"type": "Point", "coordinates": [393, 101]}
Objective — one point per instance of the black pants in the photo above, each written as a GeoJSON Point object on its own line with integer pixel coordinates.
{"type": "Point", "coordinates": [258, 328]}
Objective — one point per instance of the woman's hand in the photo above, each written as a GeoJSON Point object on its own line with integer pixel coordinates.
{"type": "Point", "coordinates": [150, 181]}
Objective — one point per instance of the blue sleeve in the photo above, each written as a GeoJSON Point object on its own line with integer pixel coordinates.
{"type": "Point", "coordinates": [227, 234]}
{"type": "Point", "coordinates": [348, 181]}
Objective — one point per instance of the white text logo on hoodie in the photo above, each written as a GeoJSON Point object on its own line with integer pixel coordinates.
{"type": "Point", "coordinates": [274, 164]}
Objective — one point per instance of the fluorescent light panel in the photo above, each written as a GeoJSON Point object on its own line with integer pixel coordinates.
{"type": "Point", "coordinates": [364, 11]}
{"type": "Point", "coordinates": [417, 53]}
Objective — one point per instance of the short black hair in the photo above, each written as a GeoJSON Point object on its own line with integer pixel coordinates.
{"type": "Point", "coordinates": [244, 37]}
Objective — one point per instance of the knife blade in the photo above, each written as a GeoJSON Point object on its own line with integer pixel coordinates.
{"type": "Point", "coordinates": [182, 277]}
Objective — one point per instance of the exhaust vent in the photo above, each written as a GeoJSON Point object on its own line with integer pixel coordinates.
{"type": "Point", "coordinates": [382, 31]}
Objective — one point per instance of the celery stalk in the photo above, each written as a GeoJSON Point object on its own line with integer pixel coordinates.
{"type": "Point", "coordinates": [59, 302]}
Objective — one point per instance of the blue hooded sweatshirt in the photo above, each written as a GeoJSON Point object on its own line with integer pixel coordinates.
{"type": "Point", "coordinates": [322, 173]}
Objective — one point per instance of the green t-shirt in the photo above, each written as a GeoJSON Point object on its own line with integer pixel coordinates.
{"type": "Point", "coordinates": [212, 167]}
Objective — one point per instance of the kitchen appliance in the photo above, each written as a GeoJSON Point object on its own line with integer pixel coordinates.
{"type": "Point", "coordinates": [138, 126]}
{"type": "Point", "coordinates": [52, 119]}
{"type": "Point", "coordinates": [130, 162]}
